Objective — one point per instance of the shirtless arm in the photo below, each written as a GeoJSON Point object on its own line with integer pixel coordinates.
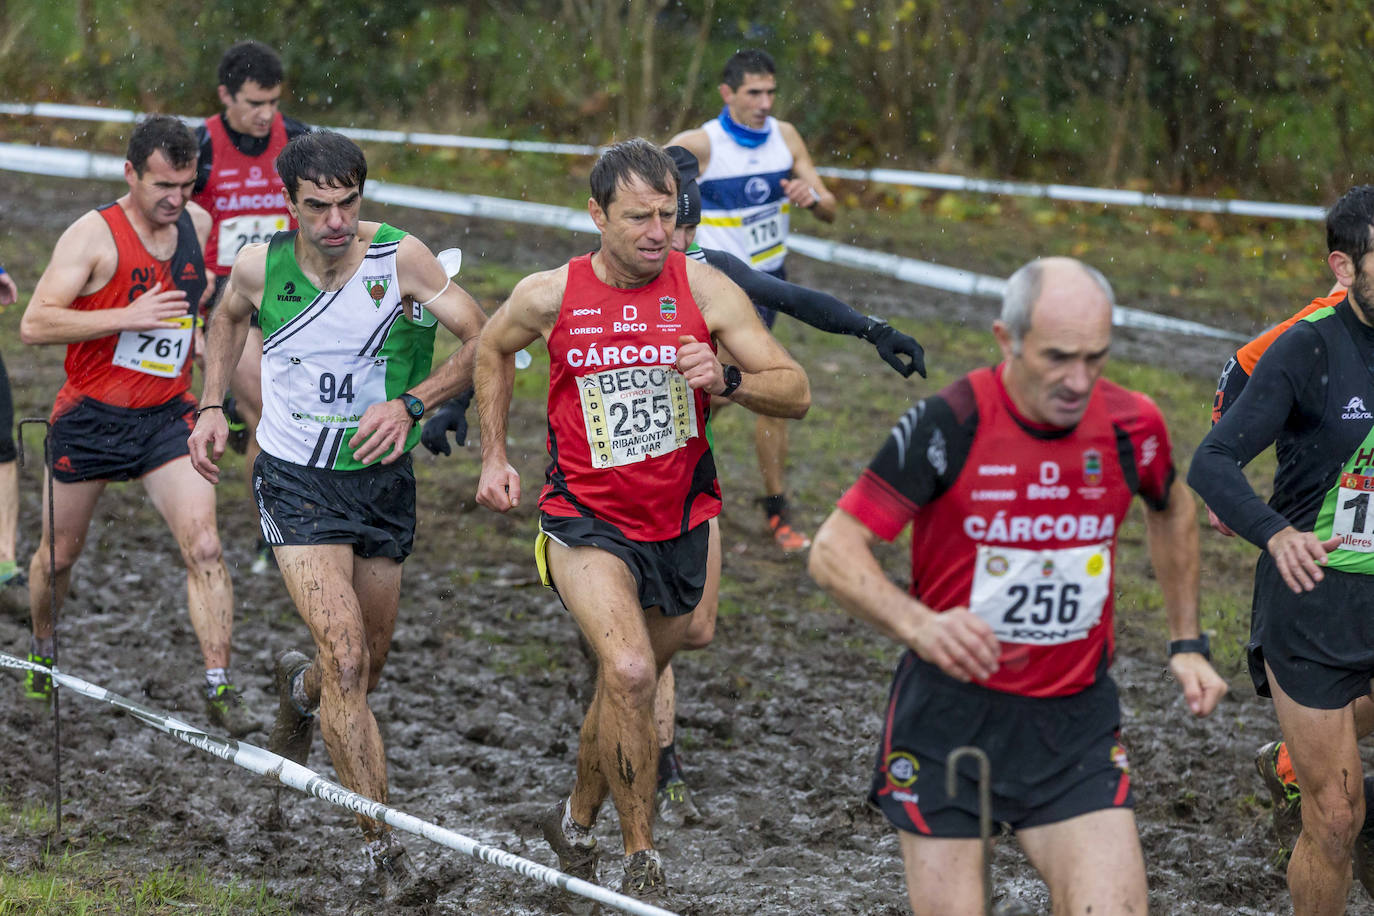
{"type": "Point", "coordinates": [242, 295]}
{"type": "Point", "coordinates": [772, 382]}
{"type": "Point", "coordinates": [83, 261]}
{"type": "Point", "coordinates": [697, 143]}
{"type": "Point", "coordinates": [1171, 533]}
{"type": "Point", "coordinates": [805, 179]}
{"type": "Point", "coordinates": [384, 428]}
{"type": "Point", "coordinates": [527, 315]}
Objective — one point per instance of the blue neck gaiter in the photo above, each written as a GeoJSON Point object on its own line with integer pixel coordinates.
{"type": "Point", "coordinates": [744, 136]}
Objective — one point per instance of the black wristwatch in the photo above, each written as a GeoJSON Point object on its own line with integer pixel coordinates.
{"type": "Point", "coordinates": [732, 379]}
{"type": "Point", "coordinates": [1202, 645]}
{"type": "Point", "coordinates": [414, 406]}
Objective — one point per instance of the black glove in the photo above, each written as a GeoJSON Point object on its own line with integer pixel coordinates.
{"type": "Point", "coordinates": [892, 344]}
{"type": "Point", "coordinates": [452, 416]}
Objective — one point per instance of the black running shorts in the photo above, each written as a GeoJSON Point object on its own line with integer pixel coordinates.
{"type": "Point", "coordinates": [372, 509]}
{"type": "Point", "coordinates": [8, 452]}
{"type": "Point", "coordinates": [1052, 758]}
{"type": "Point", "coordinates": [671, 574]}
{"type": "Point", "coordinates": [1320, 644]}
{"type": "Point", "coordinates": [97, 441]}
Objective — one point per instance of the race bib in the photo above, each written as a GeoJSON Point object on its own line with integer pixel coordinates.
{"type": "Point", "coordinates": [1041, 597]}
{"type": "Point", "coordinates": [334, 392]}
{"type": "Point", "coordinates": [249, 229]}
{"type": "Point", "coordinates": [1351, 521]}
{"type": "Point", "coordinates": [765, 231]}
{"type": "Point", "coordinates": [636, 413]}
{"type": "Point", "coordinates": [160, 352]}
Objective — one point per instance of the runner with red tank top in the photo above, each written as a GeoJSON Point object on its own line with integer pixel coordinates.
{"type": "Point", "coordinates": [237, 182]}
{"type": "Point", "coordinates": [1016, 481]}
{"type": "Point", "coordinates": [122, 293]}
{"type": "Point", "coordinates": [631, 485]}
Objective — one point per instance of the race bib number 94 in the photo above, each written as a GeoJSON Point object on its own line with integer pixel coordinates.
{"type": "Point", "coordinates": [1041, 597]}
{"type": "Point", "coordinates": [636, 413]}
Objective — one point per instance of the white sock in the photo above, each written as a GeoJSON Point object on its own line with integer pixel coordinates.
{"type": "Point", "coordinates": [581, 836]}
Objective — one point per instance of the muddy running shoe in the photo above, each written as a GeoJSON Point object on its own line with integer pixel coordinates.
{"type": "Point", "coordinates": [38, 686]}
{"type": "Point", "coordinates": [227, 710]}
{"type": "Point", "coordinates": [675, 805]}
{"type": "Point", "coordinates": [785, 536]}
{"type": "Point", "coordinates": [293, 729]}
{"type": "Point", "coordinates": [264, 559]}
{"type": "Point", "coordinates": [238, 430]}
{"type": "Point", "coordinates": [644, 876]}
{"type": "Point", "coordinates": [390, 866]}
{"type": "Point", "coordinates": [574, 858]}
{"type": "Point", "coordinates": [1276, 771]}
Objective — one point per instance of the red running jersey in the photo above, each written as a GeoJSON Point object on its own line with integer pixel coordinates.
{"type": "Point", "coordinates": [627, 436]}
{"type": "Point", "coordinates": [1022, 528]}
{"type": "Point", "coordinates": [136, 368]}
{"type": "Point", "coordinates": [244, 195]}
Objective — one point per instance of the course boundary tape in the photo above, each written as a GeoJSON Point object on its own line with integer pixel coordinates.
{"type": "Point", "coordinates": [934, 180]}
{"type": "Point", "coordinates": [67, 163]}
{"type": "Point", "coordinates": [289, 773]}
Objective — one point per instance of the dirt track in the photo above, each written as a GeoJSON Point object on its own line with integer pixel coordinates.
{"type": "Point", "coordinates": [481, 699]}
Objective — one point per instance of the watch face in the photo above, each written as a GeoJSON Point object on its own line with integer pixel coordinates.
{"type": "Point", "coordinates": [414, 406]}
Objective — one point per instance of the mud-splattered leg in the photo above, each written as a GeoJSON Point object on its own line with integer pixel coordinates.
{"type": "Point", "coordinates": [73, 506]}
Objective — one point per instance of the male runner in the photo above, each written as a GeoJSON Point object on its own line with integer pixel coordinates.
{"type": "Point", "coordinates": [121, 292]}
{"type": "Point", "coordinates": [1311, 648]}
{"type": "Point", "coordinates": [754, 170]}
{"type": "Point", "coordinates": [631, 484]}
{"type": "Point", "coordinates": [1016, 480]}
{"type": "Point", "coordinates": [348, 312]}
{"type": "Point", "coordinates": [13, 582]}
{"type": "Point", "coordinates": [822, 311]}
{"type": "Point", "coordinates": [237, 183]}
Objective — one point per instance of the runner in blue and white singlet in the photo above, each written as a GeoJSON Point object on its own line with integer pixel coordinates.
{"type": "Point", "coordinates": [743, 208]}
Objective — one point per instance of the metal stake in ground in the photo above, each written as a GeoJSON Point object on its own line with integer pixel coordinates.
{"type": "Point", "coordinates": [52, 603]}
{"type": "Point", "coordinates": [984, 808]}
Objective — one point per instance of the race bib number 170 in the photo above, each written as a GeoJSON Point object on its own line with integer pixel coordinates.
{"type": "Point", "coordinates": [636, 413]}
{"type": "Point", "coordinates": [1041, 597]}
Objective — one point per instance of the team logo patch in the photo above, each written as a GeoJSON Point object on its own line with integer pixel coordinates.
{"type": "Point", "coordinates": [996, 565]}
{"type": "Point", "coordinates": [667, 308]}
{"type": "Point", "coordinates": [1119, 758]}
{"type": "Point", "coordinates": [1048, 568]}
{"type": "Point", "coordinates": [1354, 409]}
{"type": "Point", "coordinates": [902, 769]}
{"type": "Point", "coordinates": [376, 288]}
{"type": "Point", "coordinates": [288, 293]}
{"type": "Point", "coordinates": [756, 190]}
{"type": "Point", "coordinates": [1092, 467]}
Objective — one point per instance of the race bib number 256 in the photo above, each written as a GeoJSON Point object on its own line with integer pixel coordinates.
{"type": "Point", "coordinates": [636, 413]}
{"type": "Point", "coordinates": [1041, 597]}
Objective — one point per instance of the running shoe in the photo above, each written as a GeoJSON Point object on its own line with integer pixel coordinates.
{"type": "Point", "coordinates": [227, 710]}
{"type": "Point", "coordinates": [238, 430]}
{"type": "Point", "coordinates": [38, 686]}
{"type": "Point", "coordinates": [1276, 771]}
{"type": "Point", "coordinates": [390, 865]}
{"type": "Point", "coordinates": [1364, 842]}
{"type": "Point", "coordinates": [575, 859]}
{"type": "Point", "coordinates": [785, 536]}
{"type": "Point", "coordinates": [293, 729]}
{"type": "Point", "coordinates": [644, 876]}
{"type": "Point", "coordinates": [675, 805]}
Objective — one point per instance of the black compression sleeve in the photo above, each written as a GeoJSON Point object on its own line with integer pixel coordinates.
{"type": "Point", "coordinates": [204, 164]}
{"type": "Point", "coordinates": [820, 310]}
{"type": "Point", "coordinates": [1283, 384]}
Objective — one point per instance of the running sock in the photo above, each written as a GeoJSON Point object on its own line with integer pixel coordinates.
{"type": "Point", "coordinates": [214, 679]}
{"type": "Point", "coordinates": [669, 766]}
{"type": "Point", "coordinates": [774, 505]}
{"type": "Point", "coordinates": [575, 832]}
{"type": "Point", "coordinates": [45, 647]}
{"type": "Point", "coordinates": [299, 696]}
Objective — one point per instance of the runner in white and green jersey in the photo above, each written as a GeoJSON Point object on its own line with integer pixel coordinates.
{"type": "Point", "coordinates": [348, 311]}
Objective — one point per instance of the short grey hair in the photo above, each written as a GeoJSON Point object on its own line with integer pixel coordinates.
{"type": "Point", "coordinates": [1023, 288]}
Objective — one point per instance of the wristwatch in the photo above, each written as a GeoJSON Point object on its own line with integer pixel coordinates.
{"type": "Point", "coordinates": [1202, 645]}
{"type": "Point", "coordinates": [732, 379]}
{"type": "Point", "coordinates": [414, 406]}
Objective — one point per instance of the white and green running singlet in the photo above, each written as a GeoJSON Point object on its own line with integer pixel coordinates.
{"type": "Point", "coordinates": [328, 356]}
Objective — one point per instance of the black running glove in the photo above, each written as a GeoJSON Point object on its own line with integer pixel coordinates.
{"type": "Point", "coordinates": [451, 417]}
{"type": "Point", "coordinates": [892, 344]}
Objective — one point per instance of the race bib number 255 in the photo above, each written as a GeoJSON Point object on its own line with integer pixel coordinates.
{"type": "Point", "coordinates": [636, 413]}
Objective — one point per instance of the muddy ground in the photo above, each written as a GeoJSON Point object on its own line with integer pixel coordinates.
{"type": "Point", "coordinates": [480, 702]}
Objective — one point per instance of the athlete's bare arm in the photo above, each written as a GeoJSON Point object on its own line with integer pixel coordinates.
{"type": "Point", "coordinates": [697, 143]}
{"type": "Point", "coordinates": [384, 428]}
{"type": "Point", "coordinates": [805, 179]}
{"type": "Point", "coordinates": [773, 384]}
{"type": "Point", "coordinates": [242, 295]}
{"type": "Point", "coordinates": [842, 563]}
{"type": "Point", "coordinates": [1172, 536]}
{"type": "Point", "coordinates": [527, 315]}
{"type": "Point", "coordinates": [83, 261]}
